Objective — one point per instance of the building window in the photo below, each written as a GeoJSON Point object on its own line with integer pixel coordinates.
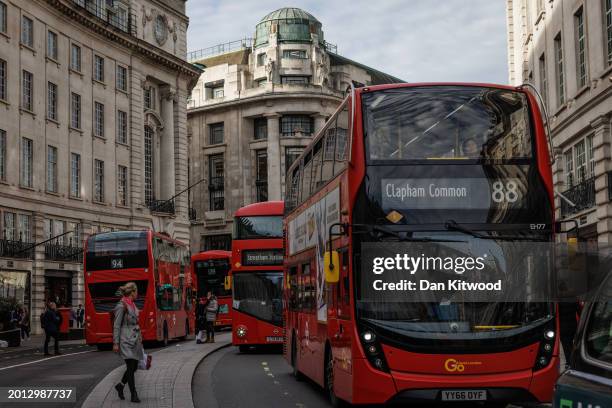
{"type": "Point", "coordinates": [75, 110]}
{"type": "Point", "coordinates": [51, 101]}
{"type": "Point", "coordinates": [122, 127]}
{"type": "Point", "coordinates": [217, 242]}
{"type": "Point", "coordinates": [569, 168]}
{"type": "Point", "coordinates": [293, 124]}
{"type": "Point", "coordinates": [149, 98]}
{"type": "Point", "coordinates": [52, 169]}
{"type": "Point", "coordinates": [261, 59]}
{"type": "Point", "coordinates": [122, 78]}
{"type": "Point", "coordinates": [543, 79]}
{"type": "Point", "coordinates": [261, 128]}
{"type": "Point", "coordinates": [122, 184]}
{"type": "Point", "coordinates": [27, 91]}
{"type": "Point", "coordinates": [294, 54]}
{"type": "Point", "coordinates": [217, 92]}
{"type": "Point", "coordinates": [24, 225]}
{"type": "Point", "coordinates": [98, 68]}
{"type": "Point", "coordinates": [261, 173]}
{"type": "Point", "coordinates": [216, 133]}
{"type": "Point", "coordinates": [149, 188]}
{"type": "Point", "coordinates": [291, 155]}
{"type": "Point", "coordinates": [98, 181]}
{"type": "Point", "coordinates": [98, 119]}
{"type": "Point", "coordinates": [3, 17]}
{"type": "Point", "coordinates": [579, 162]}
{"type": "Point", "coordinates": [75, 57]}
{"type": "Point", "coordinates": [75, 175]}
{"type": "Point", "coordinates": [581, 167]}
{"type": "Point", "coordinates": [9, 226]}
{"type": "Point", "coordinates": [3, 80]}
{"type": "Point", "coordinates": [51, 45]}
{"type": "Point", "coordinates": [591, 155]}
{"type": "Point", "coordinates": [2, 155]}
{"type": "Point", "coordinates": [295, 80]}
{"type": "Point", "coordinates": [27, 162]}
{"type": "Point", "coordinates": [608, 21]}
{"type": "Point", "coordinates": [559, 70]}
{"type": "Point", "coordinates": [581, 57]}
{"type": "Point", "coordinates": [27, 31]}
{"type": "Point", "coordinates": [216, 186]}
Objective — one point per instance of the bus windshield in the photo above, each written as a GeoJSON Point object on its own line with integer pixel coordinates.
{"type": "Point", "coordinates": [117, 250]}
{"type": "Point", "coordinates": [259, 294]}
{"type": "Point", "coordinates": [211, 276]}
{"type": "Point", "coordinates": [258, 227]}
{"type": "Point", "coordinates": [447, 122]}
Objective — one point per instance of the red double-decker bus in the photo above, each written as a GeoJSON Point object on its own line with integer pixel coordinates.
{"type": "Point", "coordinates": [160, 267]}
{"type": "Point", "coordinates": [257, 275]}
{"type": "Point", "coordinates": [420, 167]}
{"type": "Point", "coordinates": [212, 269]}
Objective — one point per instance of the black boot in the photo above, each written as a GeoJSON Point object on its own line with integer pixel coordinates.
{"type": "Point", "coordinates": [135, 397]}
{"type": "Point", "coordinates": [119, 388]}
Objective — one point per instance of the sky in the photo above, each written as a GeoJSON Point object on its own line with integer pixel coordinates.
{"type": "Point", "coordinates": [415, 40]}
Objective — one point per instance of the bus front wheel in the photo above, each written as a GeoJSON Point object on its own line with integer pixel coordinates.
{"type": "Point", "coordinates": [329, 381]}
{"type": "Point", "coordinates": [294, 362]}
{"type": "Point", "coordinates": [165, 339]}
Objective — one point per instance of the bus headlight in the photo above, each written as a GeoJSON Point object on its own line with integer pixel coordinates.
{"type": "Point", "coordinates": [549, 334]}
{"type": "Point", "coordinates": [368, 336]}
{"type": "Point", "coordinates": [241, 332]}
{"type": "Point", "coordinates": [373, 349]}
{"type": "Point", "coordinates": [547, 345]}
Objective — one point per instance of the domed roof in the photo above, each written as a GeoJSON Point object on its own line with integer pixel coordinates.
{"type": "Point", "coordinates": [289, 13]}
{"type": "Point", "coordinates": [291, 24]}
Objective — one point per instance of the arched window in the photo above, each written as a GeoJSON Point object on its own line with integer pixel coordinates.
{"type": "Point", "coordinates": [148, 165]}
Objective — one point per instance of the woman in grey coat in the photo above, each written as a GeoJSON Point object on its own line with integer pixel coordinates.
{"type": "Point", "coordinates": [127, 339]}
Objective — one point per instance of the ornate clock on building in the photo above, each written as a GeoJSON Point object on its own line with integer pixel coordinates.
{"type": "Point", "coordinates": [160, 29]}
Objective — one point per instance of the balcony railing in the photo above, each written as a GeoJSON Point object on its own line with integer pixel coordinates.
{"type": "Point", "coordinates": [216, 192]}
{"type": "Point", "coordinates": [16, 249]}
{"type": "Point", "coordinates": [219, 49]}
{"type": "Point", "coordinates": [110, 15]}
{"type": "Point", "coordinates": [63, 253]}
{"type": "Point", "coordinates": [582, 195]}
{"type": "Point", "coordinates": [161, 206]}
{"type": "Point", "coordinates": [261, 189]}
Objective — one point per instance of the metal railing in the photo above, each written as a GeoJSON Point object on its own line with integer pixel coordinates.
{"type": "Point", "coordinates": [216, 192]}
{"type": "Point", "coordinates": [16, 249]}
{"type": "Point", "coordinates": [161, 206]}
{"type": "Point", "coordinates": [220, 49]}
{"type": "Point", "coordinates": [329, 47]}
{"type": "Point", "coordinates": [261, 190]}
{"type": "Point", "coordinates": [63, 253]}
{"type": "Point", "coordinates": [582, 195]}
{"type": "Point", "coordinates": [109, 14]}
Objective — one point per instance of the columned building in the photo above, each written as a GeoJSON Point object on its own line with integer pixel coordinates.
{"type": "Point", "coordinates": [564, 48]}
{"type": "Point", "coordinates": [254, 109]}
{"type": "Point", "coordinates": [93, 134]}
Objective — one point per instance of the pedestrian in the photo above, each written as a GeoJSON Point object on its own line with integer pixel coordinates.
{"type": "Point", "coordinates": [212, 308]}
{"type": "Point", "coordinates": [51, 322]}
{"type": "Point", "coordinates": [127, 338]}
{"type": "Point", "coordinates": [80, 316]}
{"type": "Point", "coordinates": [200, 319]}
{"type": "Point", "coordinates": [24, 323]}
{"type": "Point", "coordinates": [14, 317]}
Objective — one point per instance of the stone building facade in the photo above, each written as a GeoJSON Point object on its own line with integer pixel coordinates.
{"type": "Point", "coordinates": [564, 48]}
{"type": "Point", "coordinates": [93, 134]}
{"type": "Point", "coordinates": [254, 109]}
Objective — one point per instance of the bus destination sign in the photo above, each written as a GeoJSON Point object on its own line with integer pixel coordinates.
{"type": "Point", "coordinates": [262, 257]}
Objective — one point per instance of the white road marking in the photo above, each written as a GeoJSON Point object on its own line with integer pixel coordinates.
{"type": "Point", "coordinates": [45, 359]}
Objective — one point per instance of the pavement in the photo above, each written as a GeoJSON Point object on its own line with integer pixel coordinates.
{"type": "Point", "coordinates": [166, 384]}
{"type": "Point", "coordinates": [36, 343]}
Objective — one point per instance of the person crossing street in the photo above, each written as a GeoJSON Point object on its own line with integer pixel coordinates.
{"type": "Point", "coordinates": [212, 309]}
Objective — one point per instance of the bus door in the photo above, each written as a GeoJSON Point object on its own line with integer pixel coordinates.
{"type": "Point", "coordinates": [340, 333]}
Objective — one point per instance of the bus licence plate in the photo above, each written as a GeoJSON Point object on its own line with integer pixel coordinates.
{"type": "Point", "coordinates": [464, 395]}
{"type": "Point", "coordinates": [274, 339]}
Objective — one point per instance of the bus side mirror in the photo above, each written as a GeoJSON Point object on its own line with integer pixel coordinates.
{"type": "Point", "coordinates": [227, 284]}
{"type": "Point", "coordinates": [331, 265]}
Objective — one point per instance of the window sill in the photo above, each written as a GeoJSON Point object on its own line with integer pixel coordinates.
{"type": "Point", "coordinates": [26, 187]}
{"type": "Point", "coordinates": [122, 144]}
{"type": "Point", "coordinates": [6, 36]}
{"type": "Point", "coordinates": [581, 91]}
{"type": "Point", "coordinates": [74, 71]}
{"type": "Point", "coordinates": [53, 60]}
{"type": "Point", "coordinates": [29, 112]}
{"type": "Point", "coordinates": [76, 129]}
{"type": "Point", "coordinates": [99, 137]}
{"type": "Point", "coordinates": [125, 207]}
{"type": "Point", "coordinates": [54, 121]}
{"type": "Point", "coordinates": [75, 198]}
{"type": "Point", "coordinates": [5, 103]}
{"type": "Point", "coordinates": [121, 91]}
{"type": "Point", "coordinates": [98, 202]}
{"type": "Point", "coordinates": [606, 72]}
{"type": "Point", "coordinates": [560, 109]}
{"type": "Point", "coordinates": [101, 83]}
{"type": "Point", "coordinates": [210, 146]}
{"type": "Point", "coordinates": [27, 47]}
{"type": "Point", "coordinates": [53, 193]}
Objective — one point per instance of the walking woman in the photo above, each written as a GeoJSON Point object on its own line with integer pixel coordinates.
{"type": "Point", "coordinates": [212, 309]}
{"type": "Point", "coordinates": [127, 339]}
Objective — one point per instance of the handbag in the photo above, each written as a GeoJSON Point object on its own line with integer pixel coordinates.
{"type": "Point", "coordinates": [145, 362]}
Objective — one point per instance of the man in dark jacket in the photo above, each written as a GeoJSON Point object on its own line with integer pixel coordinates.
{"type": "Point", "coordinates": [52, 321]}
{"type": "Point", "coordinates": [200, 319]}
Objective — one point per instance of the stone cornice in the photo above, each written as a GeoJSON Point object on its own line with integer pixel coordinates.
{"type": "Point", "coordinates": [141, 47]}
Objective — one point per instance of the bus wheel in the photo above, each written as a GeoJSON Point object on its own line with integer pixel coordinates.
{"type": "Point", "coordinates": [294, 362]}
{"type": "Point", "coordinates": [165, 340]}
{"type": "Point", "coordinates": [329, 381]}
{"type": "Point", "coordinates": [104, 346]}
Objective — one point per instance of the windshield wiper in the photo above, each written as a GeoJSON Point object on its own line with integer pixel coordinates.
{"type": "Point", "coordinates": [452, 225]}
{"type": "Point", "coordinates": [402, 235]}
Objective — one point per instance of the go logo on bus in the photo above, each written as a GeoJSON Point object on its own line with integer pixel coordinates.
{"type": "Point", "coordinates": [455, 366]}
